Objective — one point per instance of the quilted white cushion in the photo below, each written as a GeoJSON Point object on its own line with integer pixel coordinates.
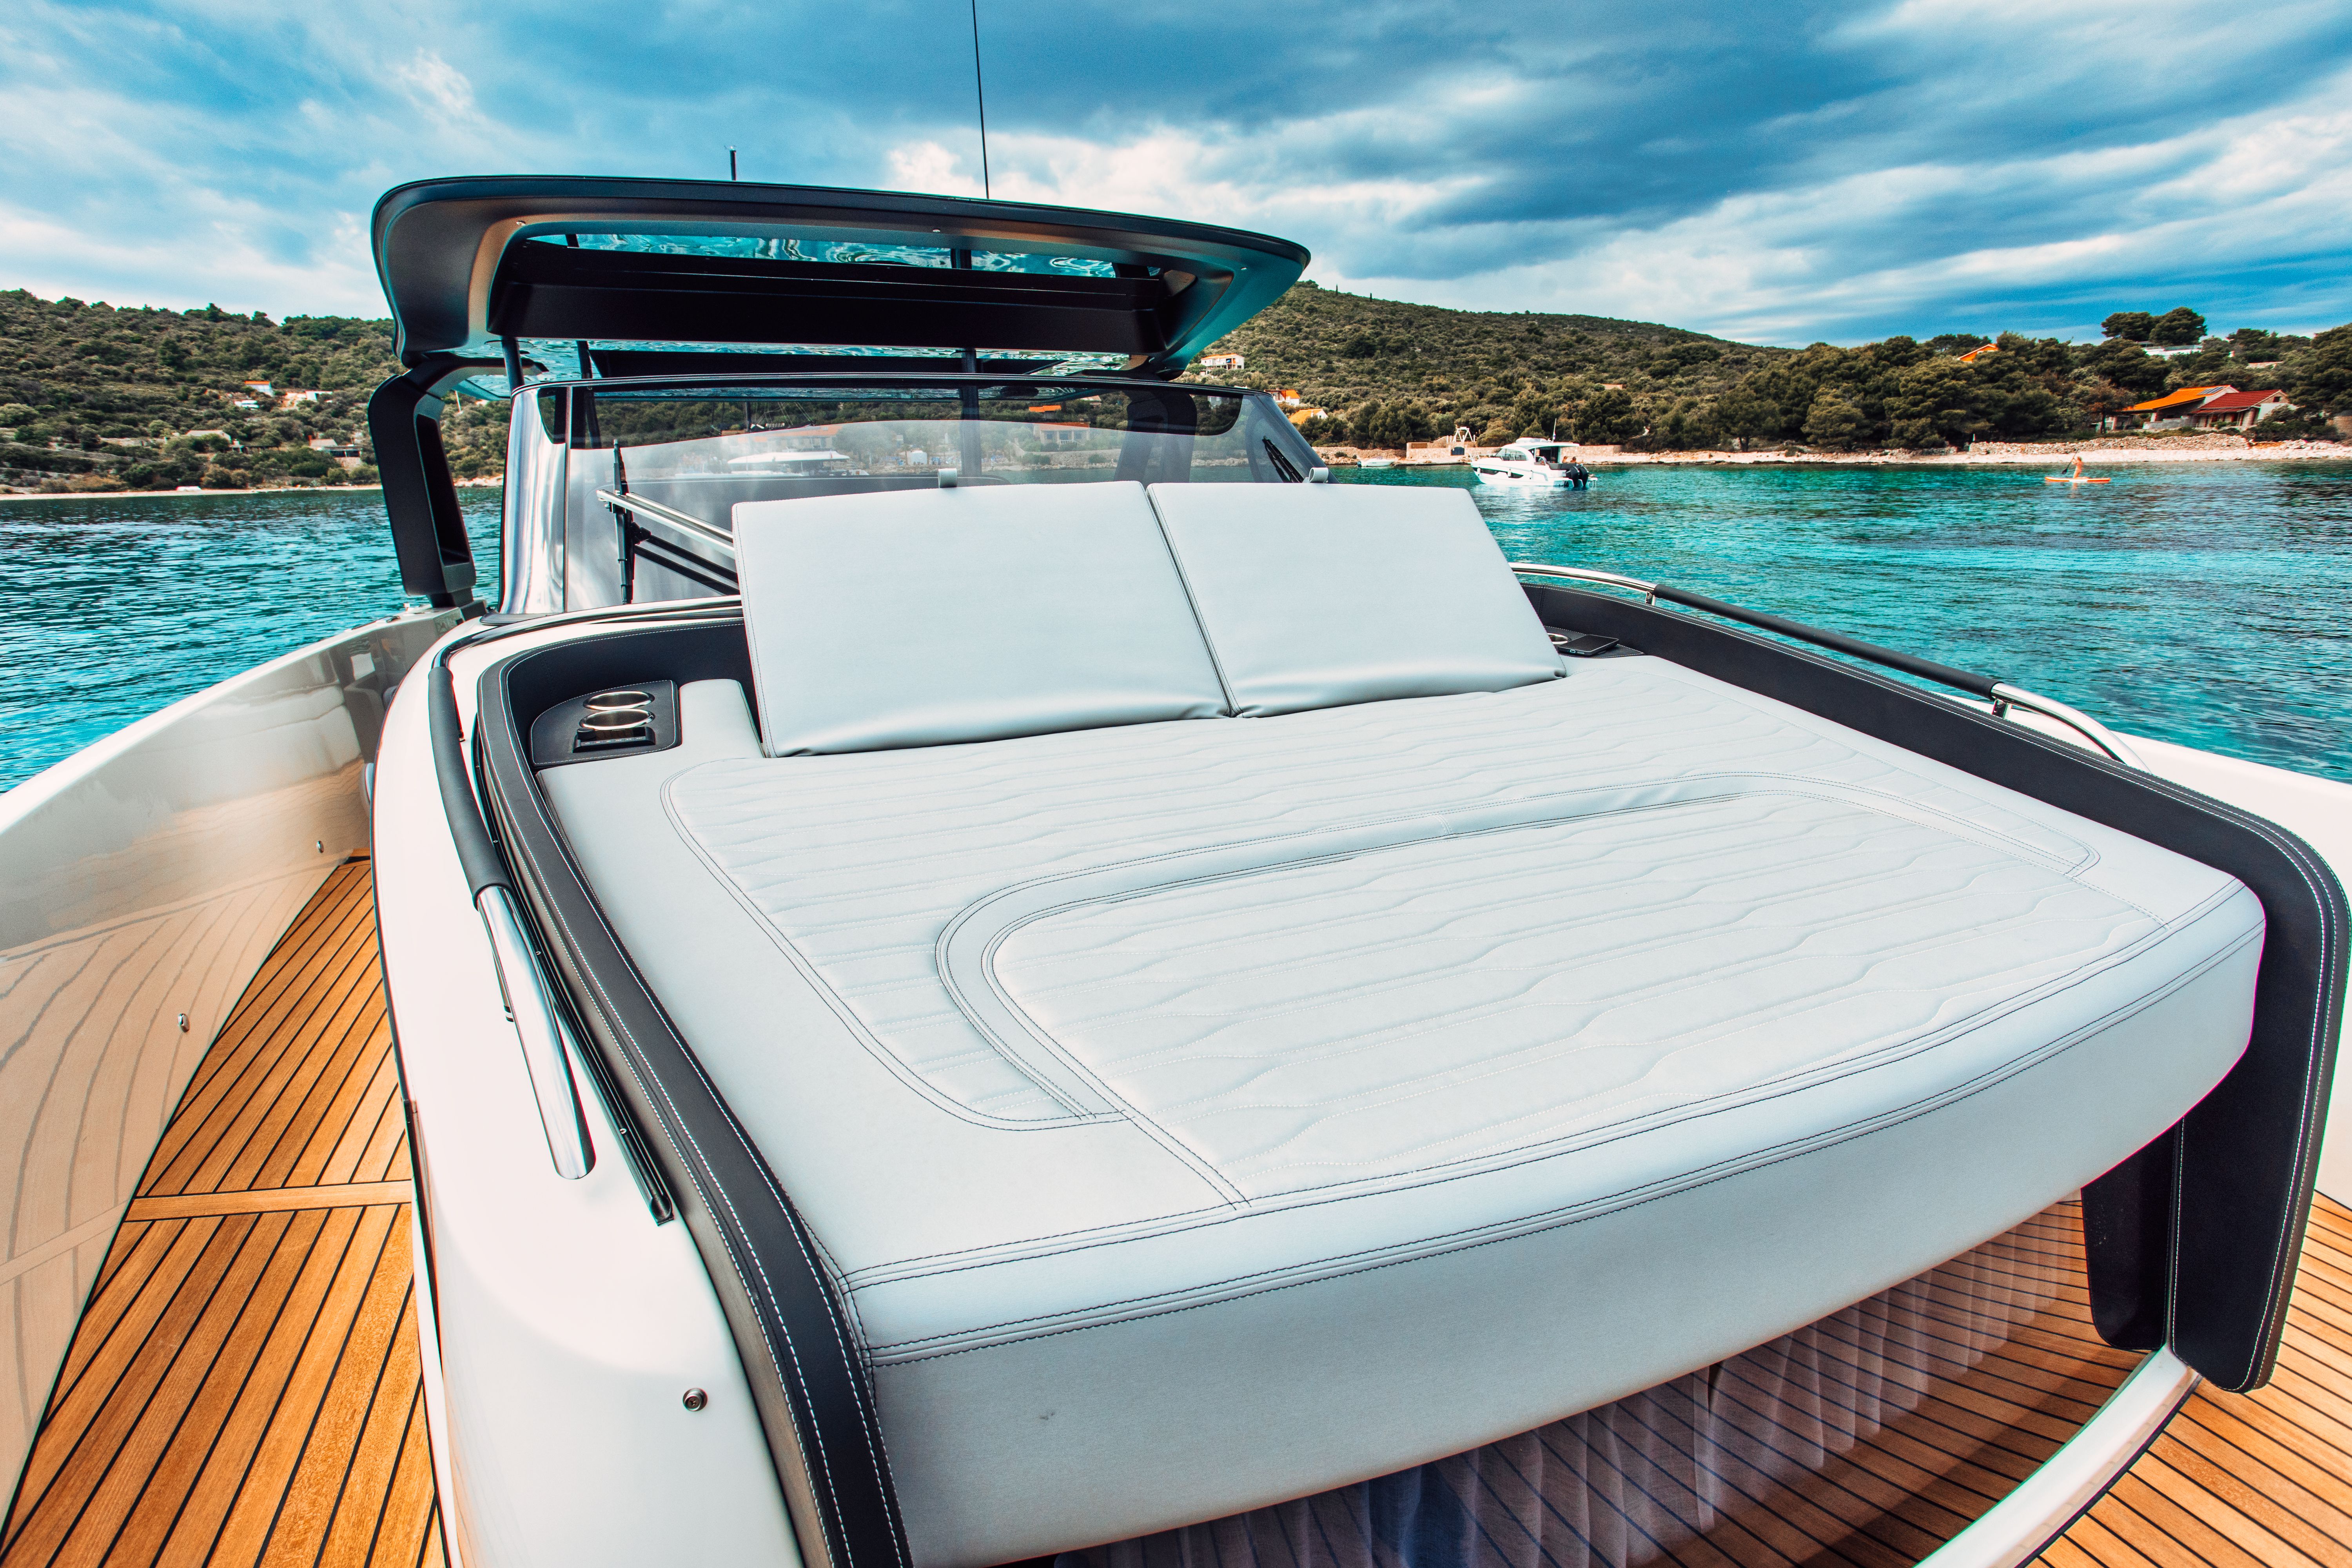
{"type": "Point", "coordinates": [1201, 1115]}
{"type": "Point", "coordinates": [919, 617]}
{"type": "Point", "coordinates": [1313, 596]}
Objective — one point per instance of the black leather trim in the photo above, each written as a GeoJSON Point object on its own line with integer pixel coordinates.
{"type": "Point", "coordinates": [2243, 1159]}
{"type": "Point", "coordinates": [802, 1362]}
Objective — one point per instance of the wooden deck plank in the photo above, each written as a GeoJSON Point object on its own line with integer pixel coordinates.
{"type": "Point", "coordinates": [268, 1200]}
{"type": "Point", "coordinates": [404, 1518]}
{"type": "Point", "coordinates": [348, 1447]}
{"type": "Point", "coordinates": [266, 1045]}
{"type": "Point", "coordinates": [239, 1152]}
{"type": "Point", "coordinates": [97, 1414]}
{"type": "Point", "coordinates": [244, 1384]}
{"type": "Point", "coordinates": [230, 1463]}
{"type": "Point", "coordinates": [269, 1020]}
{"type": "Point", "coordinates": [177, 1456]}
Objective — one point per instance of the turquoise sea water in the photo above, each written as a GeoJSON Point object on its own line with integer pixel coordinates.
{"type": "Point", "coordinates": [2209, 604]}
{"type": "Point", "coordinates": [111, 608]}
{"type": "Point", "coordinates": [2205, 603]}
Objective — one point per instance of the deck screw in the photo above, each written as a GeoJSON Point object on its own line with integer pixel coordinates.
{"type": "Point", "coordinates": [696, 1399]}
{"type": "Point", "coordinates": [183, 1023]}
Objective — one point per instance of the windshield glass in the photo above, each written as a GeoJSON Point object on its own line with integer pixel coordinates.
{"type": "Point", "coordinates": [632, 494]}
{"type": "Point", "coordinates": [701, 450]}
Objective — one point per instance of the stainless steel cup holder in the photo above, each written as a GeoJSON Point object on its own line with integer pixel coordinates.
{"type": "Point", "coordinates": [619, 718]}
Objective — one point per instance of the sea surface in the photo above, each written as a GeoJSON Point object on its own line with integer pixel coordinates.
{"type": "Point", "coordinates": [111, 608]}
{"type": "Point", "coordinates": [2206, 604]}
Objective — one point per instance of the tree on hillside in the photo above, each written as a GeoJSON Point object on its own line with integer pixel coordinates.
{"type": "Point", "coordinates": [2322, 381]}
{"type": "Point", "coordinates": [2177, 328]}
{"type": "Point", "coordinates": [1836, 421]}
{"type": "Point", "coordinates": [2128, 365]}
{"type": "Point", "coordinates": [2252, 344]}
{"type": "Point", "coordinates": [1931, 406]}
{"type": "Point", "coordinates": [1607, 416]}
{"type": "Point", "coordinates": [2131, 326]}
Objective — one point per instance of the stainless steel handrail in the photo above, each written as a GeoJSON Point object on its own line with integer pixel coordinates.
{"type": "Point", "coordinates": [539, 1027]}
{"type": "Point", "coordinates": [2001, 695]}
{"type": "Point", "coordinates": [1649, 590]}
{"type": "Point", "coordinates": [623, 501]}
{"type": "Point", "coordinates": [2006, 696]}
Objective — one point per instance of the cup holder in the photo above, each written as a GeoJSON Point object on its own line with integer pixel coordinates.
{"type": "Point", "coordinates": [617, 720]}
{"type": "Point", "coordinates": [624, 717]}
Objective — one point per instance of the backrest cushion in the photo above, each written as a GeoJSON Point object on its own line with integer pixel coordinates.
{"type": "Point", "coordinates": [918, 617]}
{"type": "Point", "coordinates": [1313, 596]}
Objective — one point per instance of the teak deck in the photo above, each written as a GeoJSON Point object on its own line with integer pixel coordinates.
{"type": "Point", "coordinates": [243, 1386]}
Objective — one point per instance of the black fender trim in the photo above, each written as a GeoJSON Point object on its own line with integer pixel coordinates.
{"type": "Point", "coordinates": [802, 1362]}
{"type": "Point", "coordinates": [2214, 1279]}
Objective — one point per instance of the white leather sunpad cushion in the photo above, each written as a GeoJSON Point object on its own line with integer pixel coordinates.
{"type": "Point", "coordinates": [1313, 596]}
{"type": "Point", "coordinates": [1198, 1115]}
{"type": "Point", "coordinates": [917, 618]}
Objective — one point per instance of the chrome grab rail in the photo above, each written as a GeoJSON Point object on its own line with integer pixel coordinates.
{"type": "Point", "coordinates": [623, 501]}
{"type": "Point", "coordinates": [540, 1028]}
{"type": "Point", "coordinates": [2001, 695]}
{"type": "Point", "coordinates": [2006, 696]}
{"type": "Point", "coordinates": [1649, 590]}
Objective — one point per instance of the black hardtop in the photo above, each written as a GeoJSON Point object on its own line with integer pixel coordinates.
{"type": "Point", "coordinates": [455, 263]}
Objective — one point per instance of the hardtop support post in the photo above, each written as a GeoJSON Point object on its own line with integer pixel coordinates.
{"type": "Point", "coordinates": [428, 527]}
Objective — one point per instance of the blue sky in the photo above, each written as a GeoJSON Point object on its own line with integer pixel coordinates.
{"type": "Point", "coordinates": [1776, 170]}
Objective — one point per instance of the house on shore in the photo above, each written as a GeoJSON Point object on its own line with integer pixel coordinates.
{"type": "Point", "coordinates": [2218, 407]}
{"type": "Point", "coordinates": [2239, 410]}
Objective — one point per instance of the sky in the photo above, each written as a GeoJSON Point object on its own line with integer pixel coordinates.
{"type": "Point", "coordinates": [1776, 171]}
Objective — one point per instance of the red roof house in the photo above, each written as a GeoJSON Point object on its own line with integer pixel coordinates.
{"type": "Point", "coordinates": [2239, 410]}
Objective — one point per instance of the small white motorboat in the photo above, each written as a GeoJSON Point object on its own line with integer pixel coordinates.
{"type": "Point", "coordinates": [1523, 463]}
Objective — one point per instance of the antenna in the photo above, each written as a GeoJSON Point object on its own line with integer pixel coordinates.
{"type": "Point", "coordinates": [731, 162]}
{"type": "Point", "coordinates": [980, 95]}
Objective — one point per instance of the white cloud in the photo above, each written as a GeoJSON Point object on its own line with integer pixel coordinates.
{"type": "Point", "coordinates": [211, 261]}
{"type": "Point", "coordinates": [435, 85]}
{"type": "Point", "coordinates": [928, 167]}
{"type": "Point", "coordinates": [1787, 174]}
{"type": "Point", "coordinates": [1785, 266]}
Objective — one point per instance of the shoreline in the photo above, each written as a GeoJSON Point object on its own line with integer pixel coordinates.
{"type": "Point", "coordinates": [1986, 454]}
{"type": "Point", "coordinates": [200, 495]}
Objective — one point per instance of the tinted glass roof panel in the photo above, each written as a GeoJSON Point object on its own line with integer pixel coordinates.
{"type": "Point", "coordinates": [769, 248]}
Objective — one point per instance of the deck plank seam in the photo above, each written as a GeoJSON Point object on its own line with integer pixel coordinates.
{"type": "Point", "coordinates": [221, 1348]}
{"type": "Point", "coordinates": [130, 1421]}
{"type": "Point", "coordinates": [286, 1303]}
{"type": "Point", "coordinates": [310, 1431]}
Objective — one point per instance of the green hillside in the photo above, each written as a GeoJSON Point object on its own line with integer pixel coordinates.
{"type": "Point", "coordinates": [93, 397]}
{"type": "Point", "coordinates": [1389, 373]}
